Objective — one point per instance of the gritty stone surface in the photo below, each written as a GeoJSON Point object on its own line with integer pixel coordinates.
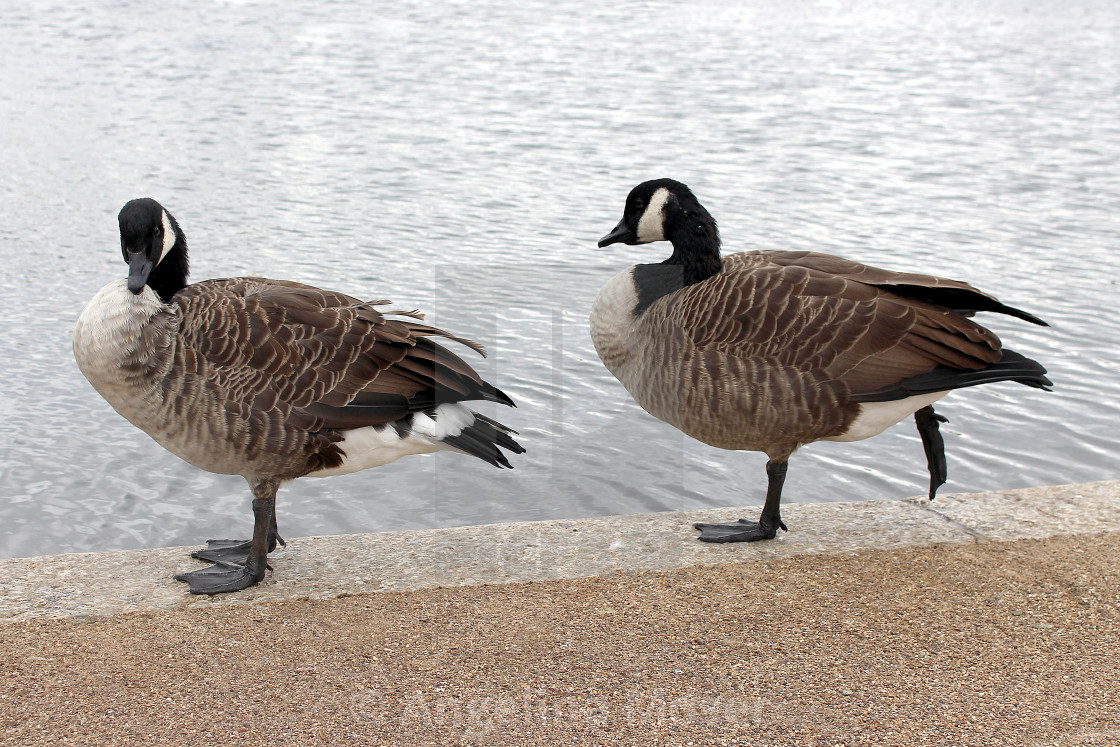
{"type": "Point", "coordinates": [991, 643]}
{"type": "Point", "coordinates": [323, 567]}
{"type": "Point", "coordinates": [1036, 512]}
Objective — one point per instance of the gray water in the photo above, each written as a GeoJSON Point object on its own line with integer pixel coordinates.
{"type": "Point", "coordinates": [463, 157]}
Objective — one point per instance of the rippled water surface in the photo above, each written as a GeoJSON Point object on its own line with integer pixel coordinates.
{"type": "Point", "coordinates": [463, 157]}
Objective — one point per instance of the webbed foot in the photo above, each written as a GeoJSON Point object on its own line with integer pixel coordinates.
{"type": "Point", "coordinates": [230, 571]}
{"type": "Point", "coordinates": [239, 564]}
{"type": "Point", "coordinates": [219, 578]}
{"type": "Point", "coordinates": [233, 551]}
{"type": "Point", "coordinates": [740, 531]}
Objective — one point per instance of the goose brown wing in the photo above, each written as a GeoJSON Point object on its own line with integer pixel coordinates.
{"type": "Point", "coordinates": [951, 294]}
{"type": "Point", "coordinates": [821, 323]}
{"type": "Point", "coordinates": [317, 358]}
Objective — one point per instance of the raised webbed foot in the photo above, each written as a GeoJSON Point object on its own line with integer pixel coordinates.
{"type": "Point", "coordinates": [220, 578]}
{"type": "Point", "coordinates": [934, 446]}
{"type": "Point", "coordinates": [740, 531]}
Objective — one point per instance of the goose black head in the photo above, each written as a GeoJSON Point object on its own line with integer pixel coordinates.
{"type": "Point", "coordinates": [665, 209]}
{"type": "Point", "coordinates": [154, 248]}
{"type": "Point", "coordinates": [660, 210]}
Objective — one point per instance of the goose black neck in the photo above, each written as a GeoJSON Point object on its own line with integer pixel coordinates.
{"type": "Point", "coordinates": [170, 276]}
{"type": "Point", "coordinates": [695, 239]}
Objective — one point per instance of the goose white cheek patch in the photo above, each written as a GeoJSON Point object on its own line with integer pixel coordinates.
{"type": "Point", "coordinates": [168, 237]}
{"type": "Point", "coordinates": [651, 227]}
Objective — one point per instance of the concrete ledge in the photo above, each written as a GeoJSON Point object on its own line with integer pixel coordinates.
{"type": "Point", "coordinates": [322, 567]}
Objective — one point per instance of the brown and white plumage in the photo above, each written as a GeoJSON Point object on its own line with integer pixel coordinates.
{"type": "Point", "coordinates": [770, 350]}
{"type": "Point", "coordinates": [271, 379]}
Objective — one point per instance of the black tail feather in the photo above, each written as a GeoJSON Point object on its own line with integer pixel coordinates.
{"type": "Point", "coordinates": [1012, 367]}
{"type": "Point", "coordinates": [485, 438]}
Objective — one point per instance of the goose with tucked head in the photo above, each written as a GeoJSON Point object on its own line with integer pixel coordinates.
{"type": "Point", "coordinates": [771, 350]}
{"type": "Point", "coordinates": [271, 380]}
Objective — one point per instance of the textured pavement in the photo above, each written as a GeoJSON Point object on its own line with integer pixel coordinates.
{"type": "Point", "coordinates": [964, 641]}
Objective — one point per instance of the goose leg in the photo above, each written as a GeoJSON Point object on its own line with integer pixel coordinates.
{"type": "Point", "coordinates": [768, 523]}
{"type": "Point", "coordinates": [225, 576]}
{"type": "Point", "coordinates": [934, 445]}
{"type": "Point", "coordinates": [237, 551]}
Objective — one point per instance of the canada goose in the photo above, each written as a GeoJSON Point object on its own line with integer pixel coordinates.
{"type": "Point", "coordinates": [770, 350]}
{"type": "Point", "coordinates": [271, 380]}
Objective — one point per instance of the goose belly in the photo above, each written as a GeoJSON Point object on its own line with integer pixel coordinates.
{"type": "Point", "coordinates": [375, 446]}
{"type": "Point", "coordinates": [735, 403]}
{"type": "Point", "coordinates": [378, 445]}
{"type": "Point", "coordinates": [876, 417]}
{"type": "Point", "coordinates": [749, 413]}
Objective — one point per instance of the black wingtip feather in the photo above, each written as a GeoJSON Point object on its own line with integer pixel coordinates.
{"type": "Point", "coordinates": [961, 300]}
{"type": "Point", "coordinates": [491, 393]}
{"type": "Point", "coordinates": [1012, 367]}
{"type": "Point", "coordinates": [503, 398]}
{"type": "Point", "coordinates": [1020, 314]}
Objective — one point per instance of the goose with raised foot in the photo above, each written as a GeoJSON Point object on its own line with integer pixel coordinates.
{"type": "Point", "coordinates": [271, 380]}
{"type": "Point", "coordinates": [771, 350]}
